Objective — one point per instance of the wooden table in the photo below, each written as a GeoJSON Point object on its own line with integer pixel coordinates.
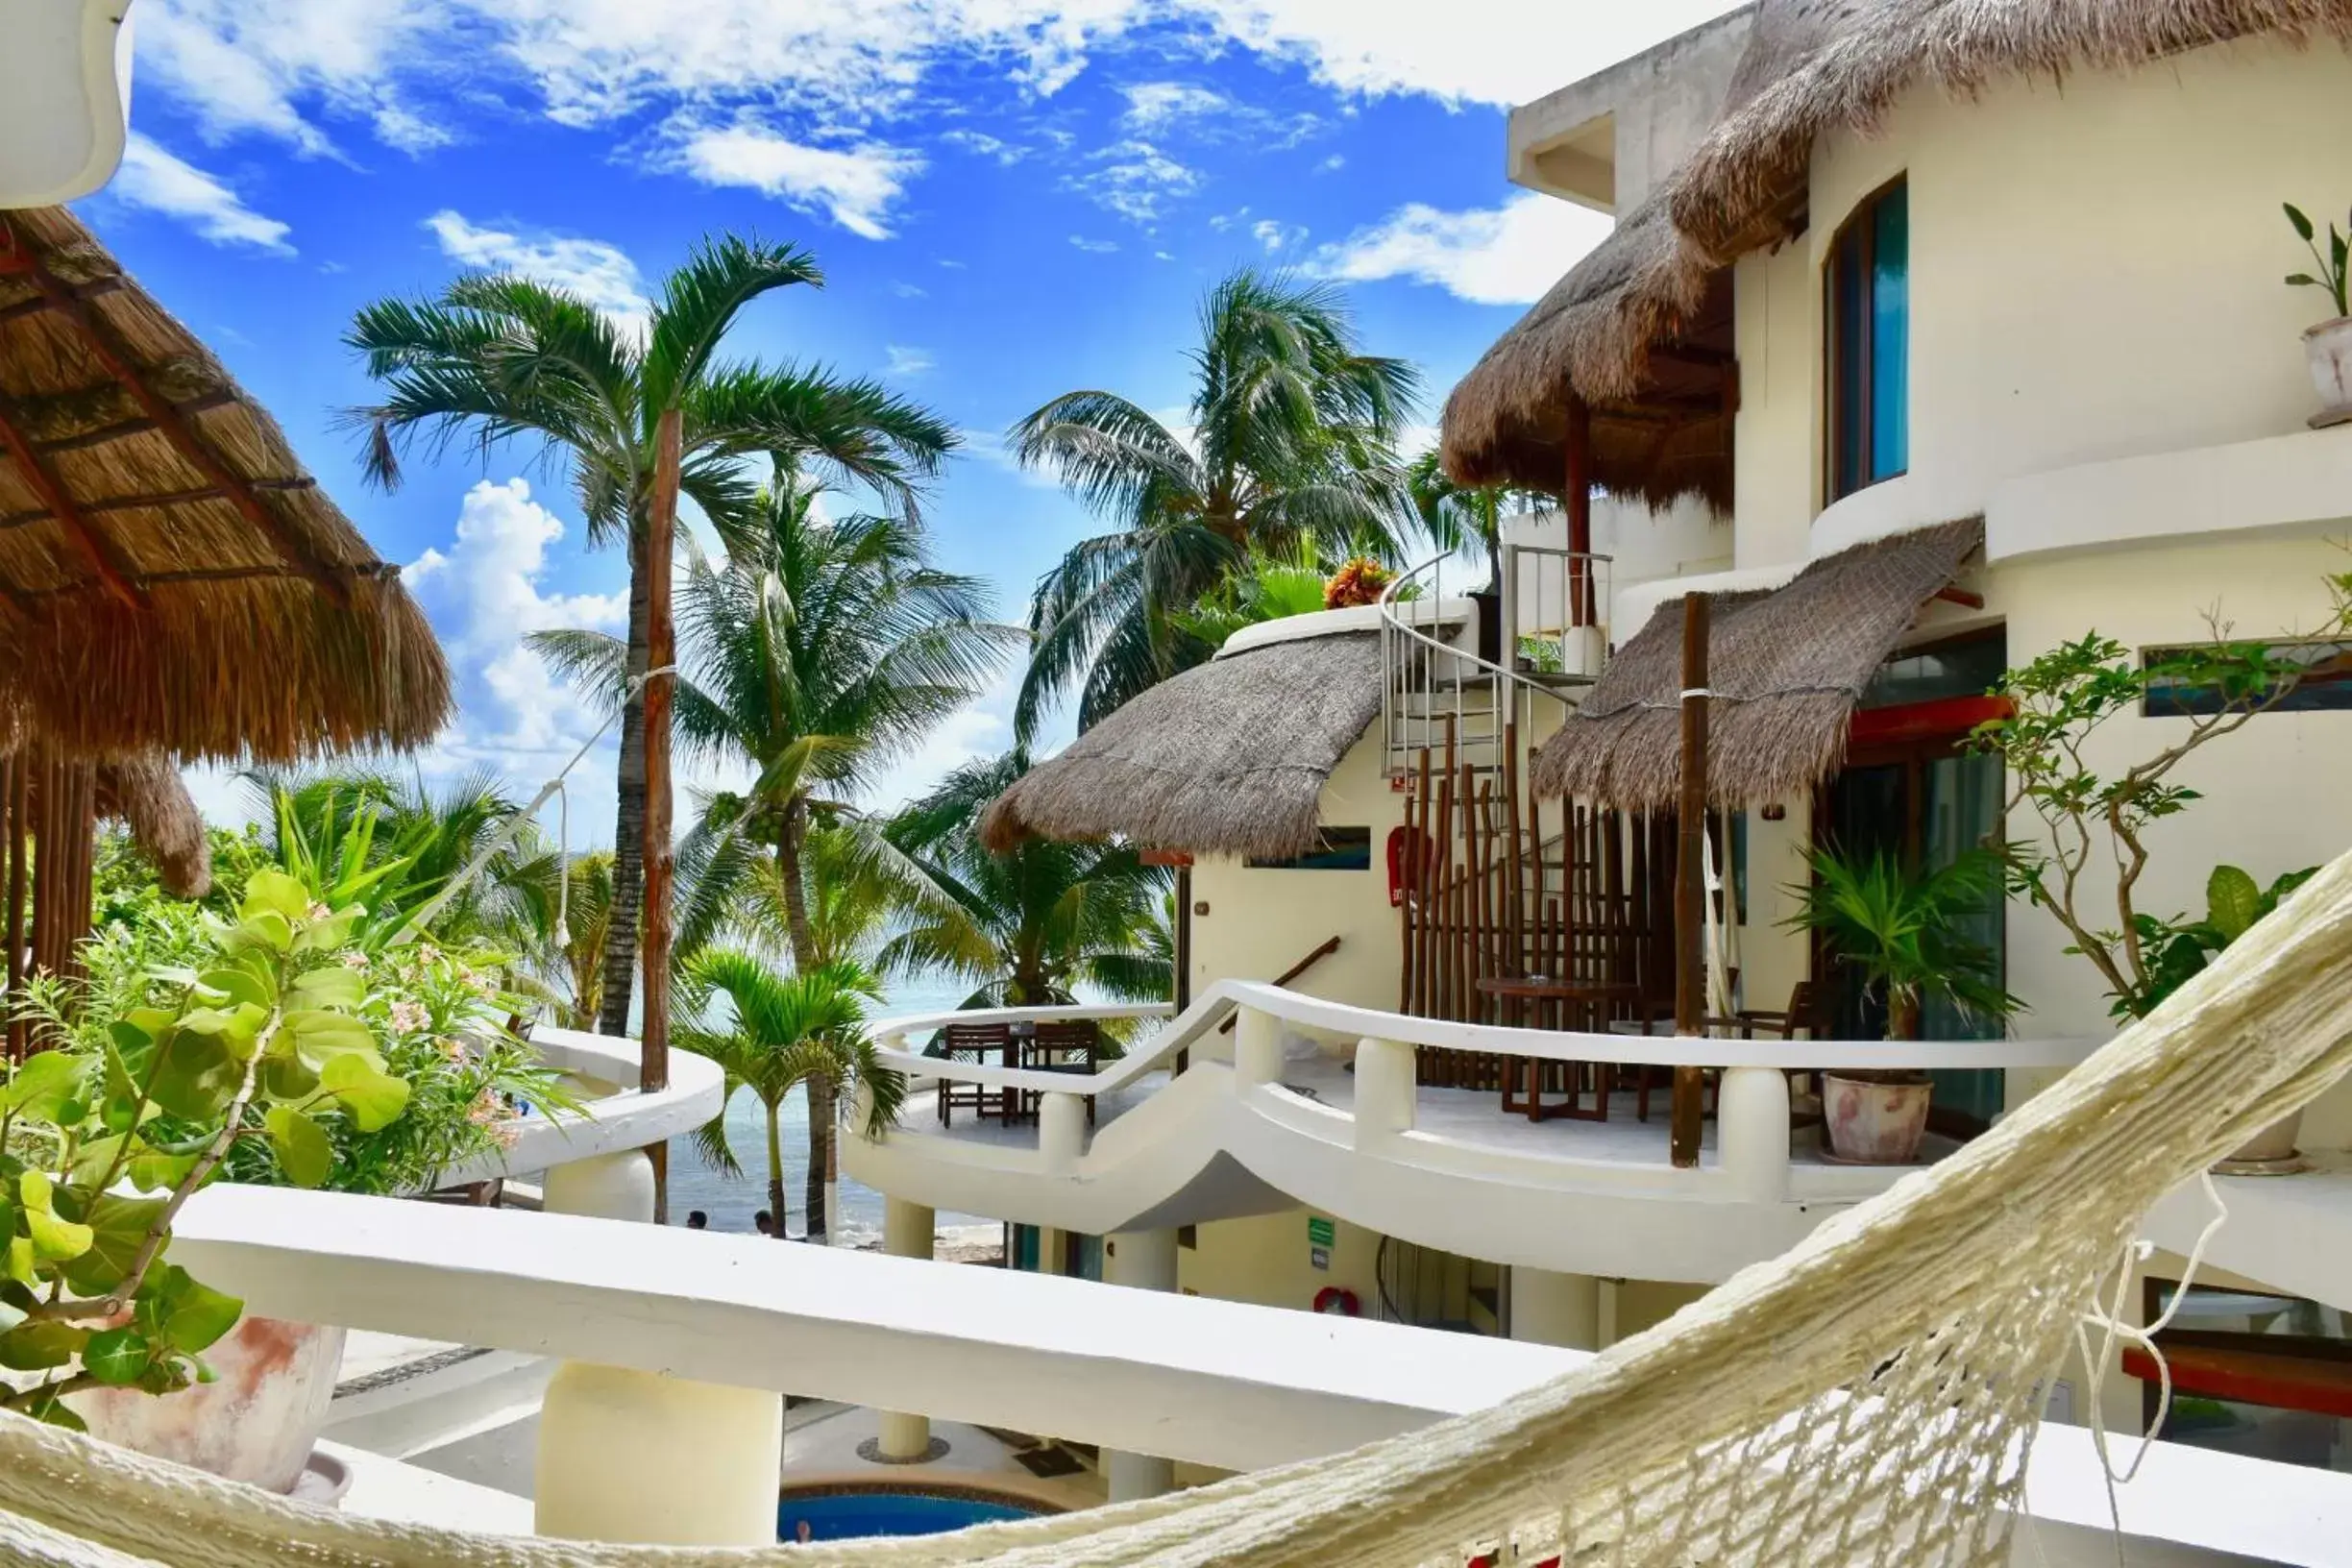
{"type": "Point", "coordinates": [1555, 1004]}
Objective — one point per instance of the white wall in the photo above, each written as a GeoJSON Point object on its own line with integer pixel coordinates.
{"type": "Point", "coordinates": [2095, 274]}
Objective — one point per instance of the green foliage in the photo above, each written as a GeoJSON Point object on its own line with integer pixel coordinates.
{"type": "Point", "coordinates": [1906, 934]}
{"type": "Point", "coordinates": [1266, 587]}
{"type": "Point", "coordinates": [2175, 951]}
{"type": "Point", "coordinates": [2335, 275]}
{"type": "Point", "coordinates": [2095, 822]}
{"type": "Point", "coordinates": [1288, 443]}
{"type": "Point", "coordinates": [1460, 517]}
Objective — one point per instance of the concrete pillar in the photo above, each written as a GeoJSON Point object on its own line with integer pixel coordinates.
{"type": "Point", "coordinates": [628, 1455]}
{"type": "Point", "coordinates": [1751, 1132]}
{"type": "Point", "coordinates": [908, 1231]}
{"type": "Point", "coordinates": [1385, 1090]}
{"type": "Point", "coordinates": [1257, 1049]}
{"type": "Point", "coordinates": [1548, 1308]}
{"type": "Point", "coordinates": [1141, 1260]}
{"type": "Point", "coordinates": [1062, 1131]}
{"type": "Point", "coordinates": [1050, 1248]}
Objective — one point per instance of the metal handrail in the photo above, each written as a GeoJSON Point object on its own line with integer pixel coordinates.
{"type": "Point", "coordinates": [1401, 640]}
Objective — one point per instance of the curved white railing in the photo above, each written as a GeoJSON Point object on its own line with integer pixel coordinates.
{"type": "Point", "coordinates": [615, 1119]}
{"type": "Point", "coordinates": [1153, 1054]}
{"type": "Point", "coordinates": [1434, 689]}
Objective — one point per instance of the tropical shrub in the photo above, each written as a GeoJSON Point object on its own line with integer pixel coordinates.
{"type": "Point", "coordinates": [2177, 950]}
{"type": "Point", "coordinates": [1905, 933]}
{"type": "Point", "coordinates": [2335, 274]}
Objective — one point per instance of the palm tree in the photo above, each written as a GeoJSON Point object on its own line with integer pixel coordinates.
{"type": "Point", "coordinates": [1457, 516]}
{"type": "Point", "coordinates": [1291, 438]}
{"type": "Point", "coordinates": [819, 653]}
{"type": "Point", "coordinates": [1028, 928]}
{"type": "Point", "coordinates": [569, 937]}
{"type": "Point", "coordinates": [497, 359]}
{"type": "Point", "coordinates": [785, 1031]}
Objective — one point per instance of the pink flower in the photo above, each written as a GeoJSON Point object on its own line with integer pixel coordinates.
{"type": "Point", "coordinates": [410, 1017]}
{"type": "Point", "coordinates": [319, 912]}
{"type": "Point", "coordinates": [354, 960]}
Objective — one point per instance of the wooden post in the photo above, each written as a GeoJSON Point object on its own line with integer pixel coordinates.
{"type": "Point", "coordinates": [1184, 951]}
{"type": "Point", "coordinates": [19, 769]}
{"type": "Point", "coordinates": [1690, 880]}
{"type": "Point", "coordinates": [1576, 502]}
{"type": "Point", "coordinates": [660, 852]}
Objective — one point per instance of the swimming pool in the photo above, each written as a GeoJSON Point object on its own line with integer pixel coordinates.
{"type": "Point", "coordinates": [846, 1514]}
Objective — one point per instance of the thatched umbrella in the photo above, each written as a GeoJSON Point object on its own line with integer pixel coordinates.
{"type": "Point", "coordinates": [1786, 669]}
{"type": "Point", "coordinates": [148, 796]}
{"type": "Point", "coordinates": [170, 577]}
{"type": "Point", "coordinates": [1230, 757]}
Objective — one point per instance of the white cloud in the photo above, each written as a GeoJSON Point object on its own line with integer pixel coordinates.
{"type": "Point", "coordinates": [1153, 106]}
{"type": "Point", "coordinates": [153, 178]}
{"type": "Point", "coordinates": [855, 185]}
{"type": "Point", "coordinates": [484, 595]}
{"type": "Point", "coordinates": [1097, 247]}
{"type": "Point", "coordinates": [597, 271]}
{"type": "Point", "coordinates": [910, 291]}
{"type": "Point", "coordinates": [1275, 234]}
{"type": "Point", "coordinates": [1331, 164]}
{"type": "Point", "coordinates": [1136, 181]}
{"type": "Point", "coordinates": [1507, 254]}
{"type": "Point", "coordinates": [983, 145]}
{"type": "Point", "coordinates": [906, 363]}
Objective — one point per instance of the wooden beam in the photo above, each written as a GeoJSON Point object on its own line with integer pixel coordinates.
{"type": "Point", "coordinates": [183, 437]}
{"type": "Point", "coordinates": [50, 491]}
{"type": "Point", "coordinates": [385, 571]}
{"type": "Point", "coordinates": [1960, 597]}
{"type": "Point", "coordinates": [1577, 499]}
{"type": "Point", "coordinates": [133, 503]}
{"type": "Point", "coordinates": [123, 430]}
{"type": "Point", "coordinates": [40, 303]}
{"type": "Point", "coordinates": [1690, 881]}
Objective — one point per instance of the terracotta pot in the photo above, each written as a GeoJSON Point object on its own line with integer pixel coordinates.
{"type": "Point", "coordinates": [258, 1424]}
{"type": "Point", "coordinates": [2329, 346]}
{"type": "Point", "coordinates": [2270, 1152]}
{"type": "Point", "coordinates": [1874, 1122]}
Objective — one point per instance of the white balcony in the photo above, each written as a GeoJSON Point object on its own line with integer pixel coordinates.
{"type": "Point", "coordinates": [1271, 1116]}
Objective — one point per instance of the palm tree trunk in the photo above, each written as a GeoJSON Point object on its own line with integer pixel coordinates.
{"type": "Point", "coordinates": [776, 1169]}
{"type": "Point", "coordinates": [628, 815]}
{"type": "Point", "coordinates": [791, 871]}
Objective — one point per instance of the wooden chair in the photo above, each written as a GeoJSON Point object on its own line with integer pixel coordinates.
{"type": "Point", "coordinates": [1806, 1011]}
{"type": "Point", "coordinates": [987, 1043]}
{"type": "Point", "coordinates": [1062, 1046]}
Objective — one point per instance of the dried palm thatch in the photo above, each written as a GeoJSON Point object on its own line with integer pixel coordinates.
{"type": "Point", "coordinates": [1227, 758]}
{"type": "Point", "coordinates": [149, 796]}
{"type": "Point", "coordinates": [1785, 667]}
{"type": "Point", "coordinates": [1660, 429]}
{"type": "Point", "coordinates": [170, 578]}
{"type": "Point", "coordinates": [1813, 66]}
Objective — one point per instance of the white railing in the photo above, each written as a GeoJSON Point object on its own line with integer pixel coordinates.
{"type": "Point", "coordinates": [615, 1119]}
{"type": "Point", "coordinates": [1438, 692]}
{"type": "Point", "coordinates": [1556, 616]}
{"type": "Point", "coordinates": [1219, 1383]}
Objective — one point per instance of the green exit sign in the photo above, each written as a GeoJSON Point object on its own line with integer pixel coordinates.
{"type": "Point", "coordinates": [1319, 1230]}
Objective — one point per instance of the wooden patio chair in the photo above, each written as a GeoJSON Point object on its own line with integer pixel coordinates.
{"type": "Point", "coordinates": [1062, 1046]}
{"type": "Point", "coordinates": [989, 1043]}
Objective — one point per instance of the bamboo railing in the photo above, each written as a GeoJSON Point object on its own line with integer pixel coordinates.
{"type": "Point", "coordinates": [48, 844]}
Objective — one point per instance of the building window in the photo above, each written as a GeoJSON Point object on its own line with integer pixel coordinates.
{"type": "Point", "coordinates": [1870, 344]}
{"type": "Point", "coordinates": [2325, 685]}
{"type": "Point", "coordinates": [1337, 849]}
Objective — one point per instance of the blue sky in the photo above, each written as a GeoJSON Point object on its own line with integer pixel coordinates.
{"type": "Point", "coordinates": [1010, 197]}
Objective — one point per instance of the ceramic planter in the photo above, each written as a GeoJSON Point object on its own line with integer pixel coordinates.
{"type": "Point", "coordinates": [257, 1424]}
{"type": "Point", "coordinates": [1872, 1121]}
{"type": "Point", "coordinates": [2330, 348]}
{"type": "Point", "coordinates": [2270, 1152]}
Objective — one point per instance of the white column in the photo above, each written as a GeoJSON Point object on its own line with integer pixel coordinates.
{"type": "Point", "coordinates": [1257, 1049]}
{"type": "Point", "coordinates": [908, 1231]}
{"type": "Point", "coordinates": [1061, 1132]}
{"type": "Point", "coordinates": [1751, 1132]}
{"type": "Point", "coordinates": [1141, 1260]}
{"type": "Point", "coordinates": [1548, 1308]}
{"type": "Point", "coordinates": [1049, 1249]}
{"type": "Point", "coordinates": [1385, 1090]}
{"type": "Point", "coordinates": [627, 1455]}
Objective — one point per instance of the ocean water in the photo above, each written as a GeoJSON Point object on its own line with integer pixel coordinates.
{"type": "Point", "coordinates": [731, 1202]}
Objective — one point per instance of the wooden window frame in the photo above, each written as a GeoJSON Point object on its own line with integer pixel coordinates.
{"type": "Point", "coordinates": [1858, 231]}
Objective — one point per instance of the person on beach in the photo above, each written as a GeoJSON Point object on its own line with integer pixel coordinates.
{"type": "Point", "coordinates": [764, 1222]}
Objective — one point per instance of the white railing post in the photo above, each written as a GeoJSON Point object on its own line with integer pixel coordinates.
{"type": "Point", "coordinates": [1385, 1090]}
{"type": "Point", "coordinates": [628, 1455]}
{"type": "Point", "coordinates": [1257, 1049]}
{"type": "Point", "coordinates": [1061, 1133]}
{"type": "Point", "coordinates": [1751, 1132]}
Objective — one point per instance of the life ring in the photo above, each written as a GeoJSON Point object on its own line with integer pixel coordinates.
{"type": "Point", "coordinates": [1338, 1301]}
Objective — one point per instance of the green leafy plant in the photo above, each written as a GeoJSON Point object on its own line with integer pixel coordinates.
{"type": "Point", "coordinates": [105, 1135]}
{"type": "Point", "coordinates": [2334, 278]}
{"type": "Point", "coordinates": [2094, 843]}
{"type": "Point", "coordinates": [2177, 950]}
{"type": "Point", "coordinates": [1905, 933]}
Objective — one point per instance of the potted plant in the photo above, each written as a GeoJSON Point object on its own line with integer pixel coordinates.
{"type": "Point", "coordinates": [2329, 344]}
{"type": "Point", "coordinates": [279, 1044]}
{"type": "Point", "coordinates": [2179, 949]}
{"type": "Point", "coordinates": [1905, 935]}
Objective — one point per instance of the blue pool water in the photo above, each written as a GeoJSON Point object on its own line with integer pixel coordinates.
{"type": "Point", "coordinates": [849, 1516]}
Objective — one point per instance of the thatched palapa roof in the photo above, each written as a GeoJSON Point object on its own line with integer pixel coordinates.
{"type": "Point", "coordinates": [1785, 669]}
{"type": "Point", "coordinates": [1620, 330]}
{"type": "Point", "coordinates": [1227, 758]}
{"type": "Point", "coordinates": [148, 795]}
{"type": "Point", "coordinates": [170, 578]}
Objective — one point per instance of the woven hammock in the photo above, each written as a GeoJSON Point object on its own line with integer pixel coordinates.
{"type": "Point", "coordinates": [1866, 1398]}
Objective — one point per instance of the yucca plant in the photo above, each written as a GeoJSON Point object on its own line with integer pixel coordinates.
{"type": "Point", "coordinates": [2335, 275]}
{"type": "Point", "coordinates": [1905, 933]}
